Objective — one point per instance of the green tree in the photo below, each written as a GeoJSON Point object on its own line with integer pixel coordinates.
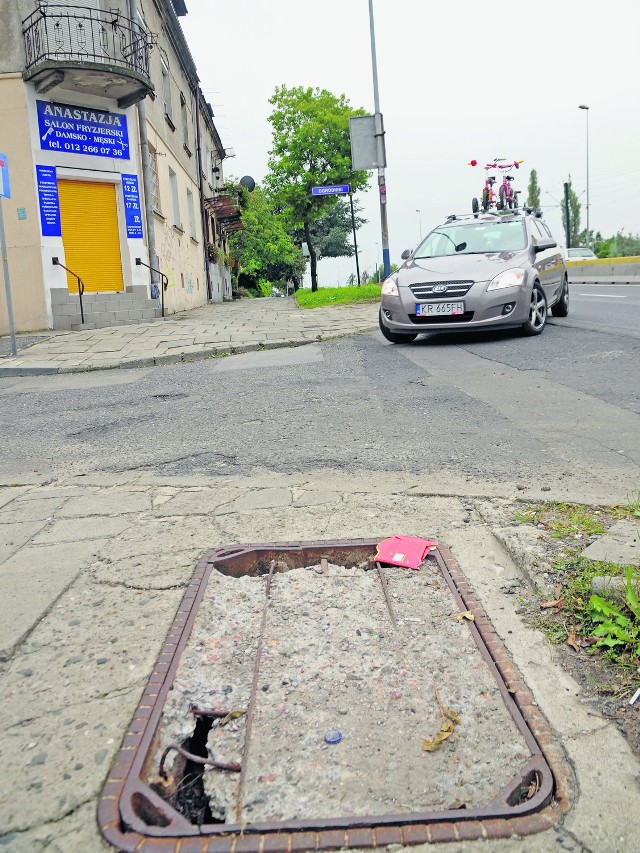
{"type": "Point", "coordinates": [264, 249]}
{"type": "Point", "coordinates": [620, 246]}
{"type": "Point", "coordinates": [574, 218]}
{"type": "Point", "coordinates": [533, 191]}
{"type": "Point", "coordinates": [311, 147]}
{"type": "Point", "coordinates": [332, 232]}
{"type": "Point", "coordinates": [378, 275]}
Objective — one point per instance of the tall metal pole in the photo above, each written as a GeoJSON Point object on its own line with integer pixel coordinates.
{"type": "Point", "coordinates": [355, 242]}
{"type": "Point", "coordinates": [585, 107]}
{"type": "Point", "coordinates": [7, 286]}
{"type": "Point", "coordinates": [382, 187]}
{"type": "Point", "coordinates": [419, 223]}
{"type": "Point", "coordinates": [567, 223]}
{"type": "Point", "coordinates": [145, 163]}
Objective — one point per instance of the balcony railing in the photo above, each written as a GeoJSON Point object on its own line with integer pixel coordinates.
{"type": "Point", "coordinates": [63, 36]}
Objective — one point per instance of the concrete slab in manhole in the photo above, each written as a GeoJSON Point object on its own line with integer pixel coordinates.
{"type": "Point", "coordinates": [307, 698]}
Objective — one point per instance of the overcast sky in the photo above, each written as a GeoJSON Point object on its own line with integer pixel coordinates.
{"type": "Point", "coordinates": [458, 80]}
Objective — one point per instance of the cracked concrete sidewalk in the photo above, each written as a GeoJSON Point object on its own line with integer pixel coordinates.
{"type": "Point", "coordinates": [209, 331]}
{"type": "Point", "coordinates": [94, 568]}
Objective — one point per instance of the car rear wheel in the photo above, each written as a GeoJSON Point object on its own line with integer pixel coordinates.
{"type": "Point", "coordinates": [394, 337]}
{"type": "Point", "coordinates": [561, 308]}
{"type": "Point", "coordinates": [537, 312]}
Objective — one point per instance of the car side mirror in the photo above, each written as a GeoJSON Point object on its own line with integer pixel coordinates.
{"type": "Point", "coordinates": [406, 254]}
{"type": "Point", "coordinates": [544, 245]}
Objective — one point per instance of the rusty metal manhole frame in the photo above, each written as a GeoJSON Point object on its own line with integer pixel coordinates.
{"type": "Point", "coordinates": [126, 798]}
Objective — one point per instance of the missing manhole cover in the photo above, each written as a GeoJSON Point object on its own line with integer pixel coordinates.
{"type": "Point", "coordinates": [304, 694]}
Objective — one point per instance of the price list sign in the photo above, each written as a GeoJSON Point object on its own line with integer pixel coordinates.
{"type": "Point", "coordinates": [132, 212]}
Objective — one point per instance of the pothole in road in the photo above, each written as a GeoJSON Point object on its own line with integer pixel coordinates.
{"type": "Point", "coordinates": [306, 689]}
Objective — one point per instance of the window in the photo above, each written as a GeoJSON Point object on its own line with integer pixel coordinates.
{"type": "Point", "coordinates": [155, 184]}
{"type": "Point", "coordinates": [173, 183]}
{"type": "Point", "coordinates": [185, 122]}
{"type": "Point", "coordinates": [537, 231]}
{"type": "Point", "coordinates": [192, 216]}
{"type": "Point", "coordinates": [166, 91]}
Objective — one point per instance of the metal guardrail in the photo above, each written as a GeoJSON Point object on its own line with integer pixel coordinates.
{"type": "Point", "coordinates": [57, 263]}
{"type": "Point", "coordinates": [164, 279]}
{"type": "Point", "coordinates": [83, 34]}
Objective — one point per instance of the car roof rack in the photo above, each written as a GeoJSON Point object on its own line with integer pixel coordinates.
{"type": "Point", "coordinates": [477, 215]}
{"type": "Point", "coordinates": [521, 211]}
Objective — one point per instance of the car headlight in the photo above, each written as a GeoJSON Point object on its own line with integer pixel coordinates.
{"type": "Point", "coordinates": [508, 278]}
{"type": "Point", "coordinates": [389, 287]}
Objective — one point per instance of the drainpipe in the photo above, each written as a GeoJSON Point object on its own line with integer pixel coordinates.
{"type": "Point", "coordinates": [146, 170]}
{"type": "Point", "coordinates": [203, 212]}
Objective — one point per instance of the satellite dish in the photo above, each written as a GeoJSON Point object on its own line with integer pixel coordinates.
{"type": "Point", "coordinates": [248, 182]}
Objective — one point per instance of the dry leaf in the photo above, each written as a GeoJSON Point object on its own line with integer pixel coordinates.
{"type": "Point", "coordinates": [452, 714]}
{"type": "Point", "coordinates": [447, 729]}
{"type": "Point", "coordinates": [559, 603]}
{"type": "Point", "coordinates": [232, 715]}
{"type": "Point", "coordinates": [431, 744]}
{"type": "Point", "coordinates": [572, 640]}
{"type": "Point", "coordinates": [466, 614]}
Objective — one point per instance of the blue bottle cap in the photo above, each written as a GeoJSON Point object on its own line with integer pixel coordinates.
{"type": "Point", "coordinates": [333, 736]}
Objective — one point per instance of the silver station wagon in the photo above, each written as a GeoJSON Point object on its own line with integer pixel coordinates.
{"type": "Point", "coordinates": [477, 271]}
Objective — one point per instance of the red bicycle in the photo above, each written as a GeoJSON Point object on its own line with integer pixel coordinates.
{"type": "Point", "coordinates": [507, 196]}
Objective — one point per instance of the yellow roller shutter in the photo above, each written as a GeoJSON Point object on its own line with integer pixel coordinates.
{"type": "Point", "coordinates": [89, 218]}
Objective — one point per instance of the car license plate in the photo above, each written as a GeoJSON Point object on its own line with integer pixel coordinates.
{"type": "Point", "coordinates": [431, 309]}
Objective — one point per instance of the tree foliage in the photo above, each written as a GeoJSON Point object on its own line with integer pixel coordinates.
{"type": "Point", "coordinates": [621, 245]}
{"type": "Point", "coordinates": [310, 147]}
{"type": "Point", "coordinates": [264, 249]}
{"type": "Point", "coordinates": [332, 233]}
{"type": "Point", "coordinates": [533, 191]}
{"type": "Point", "coordinates": [574, 218]}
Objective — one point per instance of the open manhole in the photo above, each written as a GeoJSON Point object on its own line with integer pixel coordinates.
{"type": "Point", "coordinates": [308, 698]}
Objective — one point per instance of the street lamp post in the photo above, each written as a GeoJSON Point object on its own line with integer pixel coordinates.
{"type": "Point", "coordinates": [382, 185]}
{"type": "Point", "coordinates": [586, 108]}
{"type": "Point", "coordinates": [419, 224]}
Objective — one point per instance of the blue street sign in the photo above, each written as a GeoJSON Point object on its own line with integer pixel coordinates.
{"type": "Point", "coordinates": [343, 189]}
{"type": "Point", "coordinates": [132, 212]}
{"type": "Point", "coordinates": [76, 130]}
{"type": "Point", "coordinates": [4, 177]}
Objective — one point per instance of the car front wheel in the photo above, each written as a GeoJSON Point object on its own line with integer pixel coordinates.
{"type": "Point", "coordinates": [537, 312]}
{"type": "Point", "coordinates": [561, 308]}
{"type": "Point", "coordinates": [394, 337]}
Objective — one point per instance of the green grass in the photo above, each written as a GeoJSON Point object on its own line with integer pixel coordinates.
{"type": "Point", "coordinates": [337, 295]}
{"type": "Point", "coordinates": [580, 617]}
{"type": "Point", "coordinates": [564, 519]}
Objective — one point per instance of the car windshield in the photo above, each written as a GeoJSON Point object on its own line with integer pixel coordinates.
{"type": "Point", "coordinates": [580, 253]}
{"type": "Point", "coordinates": [473, 239]}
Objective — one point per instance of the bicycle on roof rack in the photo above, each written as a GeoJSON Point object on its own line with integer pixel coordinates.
{"type": "Point", "coordinates": [506, 197]}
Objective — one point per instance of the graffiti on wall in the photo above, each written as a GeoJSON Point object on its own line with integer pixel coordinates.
{"type": "Point", "coordinates": [168, 252]}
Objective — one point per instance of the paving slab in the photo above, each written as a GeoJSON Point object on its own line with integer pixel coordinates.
{"type": "Point", "coordinates": [620, 544]}
{"type": "Point", "coordinates": [14, 536]}
{"type": "Point", "coordinates": [231, 327]}
{"type": "Point", "coordinates": [32, 580]}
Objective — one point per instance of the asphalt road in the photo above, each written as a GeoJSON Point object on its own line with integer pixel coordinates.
{"type": "Point", "coordinates": [497, 407]}
{"type": "Point", "coordinates": [611, 306]}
